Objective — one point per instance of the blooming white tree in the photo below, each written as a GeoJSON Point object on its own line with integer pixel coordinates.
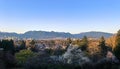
{"type": "Point", "coordinates": [74, 55]}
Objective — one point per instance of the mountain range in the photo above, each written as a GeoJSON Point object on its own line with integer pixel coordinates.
{"type": "Point", "coordinates": [52, 34]}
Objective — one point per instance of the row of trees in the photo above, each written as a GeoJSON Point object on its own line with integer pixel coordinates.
{"type": "Point", "coordinates": [14, 55]}
{"type": "Point", "coordinates": [83, 44]}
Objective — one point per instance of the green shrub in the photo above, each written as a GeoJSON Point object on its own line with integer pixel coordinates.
{"type": "Point", "coordinates": [22, 56]}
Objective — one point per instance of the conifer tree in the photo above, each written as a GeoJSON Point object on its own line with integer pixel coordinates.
{"type": "Point", "coordinates": [8, 45]}
{"type": "Point", "coordinates": [84, 43]}
{"type": "Point", "coordinates": [117, 48]}
{"type": "Point", "coordinates": [103, 46]}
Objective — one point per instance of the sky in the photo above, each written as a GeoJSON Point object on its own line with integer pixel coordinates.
{"type": "Point", "coordinates": [72, 16]}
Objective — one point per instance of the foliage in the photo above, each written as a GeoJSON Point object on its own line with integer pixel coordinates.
{"type": "Point", "coordinates": [69, 40]}
{"type": "Point", "coordinates": [117, 48]}
{"type": "Point", "coordinates": [23, 55]}
{"type": "Point", "coordinates": [8, 45]}
{"type": "Point", "coordinates": [8, 52]}
{"type": "Point", "coordinates": [81, 43]}
{"type": "Point", "coordinates": [43, 61]}
{"type": "Point", "coordinates": [84, 43]}
{"type": "Point", "coordinates": [77, 42]}
{"type": "Point", "coordinates": [111, 42]}
{"type": "Point", "coordinates": [22, 46]}
{"type": "Point", "coordinates": [32, 46]}
{"type": "Point", "coordinates": [103, 46]}
{"type": "Point", "coordinates": [102, 41]}
{"type": "Point", "coordinates": [32, 42]}
{"type": "Point", "coordinates": [75, 56]}
{"type": "Point", "coordinates": [93, 48]}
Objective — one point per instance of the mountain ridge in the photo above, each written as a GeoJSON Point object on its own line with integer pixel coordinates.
{"type": "Point", "coordinates": [94, 34]}
{"type": "Point", "coordinates": [52, 34]}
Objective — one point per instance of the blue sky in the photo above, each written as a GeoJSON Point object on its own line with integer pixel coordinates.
{"type": "Point", "coordinates": [72, 16]}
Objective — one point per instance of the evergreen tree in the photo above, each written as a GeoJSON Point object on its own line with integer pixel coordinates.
{"type": "Point", "coordinates": [8, 45]}
{"type": "Point", "coordinates": [84, 43]}
{"type": "Point", "coordinates": [117, 48]}
{"type": "Point", "coordinates": [103, 46]}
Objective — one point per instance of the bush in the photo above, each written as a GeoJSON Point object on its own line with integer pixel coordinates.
{"type": "Point", "coordinates": [22, 56]}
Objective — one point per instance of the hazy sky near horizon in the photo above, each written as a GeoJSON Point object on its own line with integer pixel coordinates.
{"type": "Point", "coordinates": [72, 16]}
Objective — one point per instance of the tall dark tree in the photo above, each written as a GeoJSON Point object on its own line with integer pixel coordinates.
{"type": "Point", "coordinates": [117, 48]}
{"type": "Point", "coordinates": [8, 45]}
{"type": "Point", "coordinates": [103, 46]}
{"type": "Point", "coordinates": [84, 43]}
